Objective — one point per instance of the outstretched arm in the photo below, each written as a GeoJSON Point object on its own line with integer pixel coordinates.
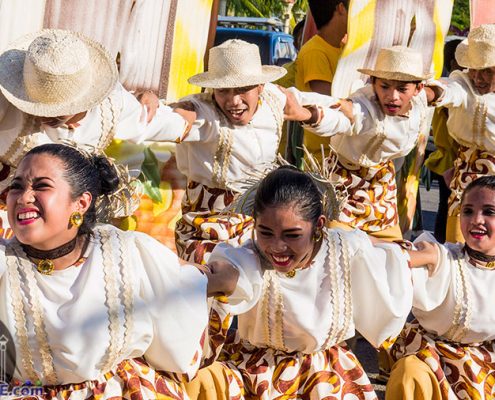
{"type": "Point", "coordinates": [426, 255]}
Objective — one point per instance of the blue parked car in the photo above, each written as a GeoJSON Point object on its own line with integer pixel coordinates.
{"type": "Point", "coordinates": [276, 47]}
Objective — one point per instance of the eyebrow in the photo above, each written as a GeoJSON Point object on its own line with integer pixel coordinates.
{"type": "Point", "coordinates": [37, 179]}
{"type": "Point", "coordinates": [285, 230]}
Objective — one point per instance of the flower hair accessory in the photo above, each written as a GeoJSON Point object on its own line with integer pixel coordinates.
{"type": "Point", "coordinates": [333, 200]}
{"type": "Point", "coordinates": [124, 200]}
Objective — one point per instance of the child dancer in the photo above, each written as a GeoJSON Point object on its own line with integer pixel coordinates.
{"type": "Point", "coordinates": [448, 352]}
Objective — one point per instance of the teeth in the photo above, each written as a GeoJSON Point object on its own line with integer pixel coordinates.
{"type": "Point", "coordinates": [281, 259]}
{"type": "Point", "coordinates": [27, 215]}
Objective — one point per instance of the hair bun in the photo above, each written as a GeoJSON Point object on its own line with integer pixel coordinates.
{"type": "Point", "coordinates": [109, 179]}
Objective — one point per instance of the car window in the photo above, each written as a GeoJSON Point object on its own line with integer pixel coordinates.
{"type": "Point", "coordinates": [284, 51]}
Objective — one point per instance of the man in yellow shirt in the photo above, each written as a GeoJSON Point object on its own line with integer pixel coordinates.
{"type": "Point", "coordinates": [317, 60]}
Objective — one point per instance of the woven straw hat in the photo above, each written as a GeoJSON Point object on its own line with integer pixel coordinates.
{"type": "Point", "coordinates": [56, 72]}
{"type": "Point", "coordinates": [478, 50]}
{"type": "Point", "coordinates": [398, 63]}
{"type": "Point", "coordinates": [236, 63]}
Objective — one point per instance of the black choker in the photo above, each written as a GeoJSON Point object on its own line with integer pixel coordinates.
{"type": "Point", "coordinates": [480, 257]}
{"type": "Point", "coordinates": [45, 264]}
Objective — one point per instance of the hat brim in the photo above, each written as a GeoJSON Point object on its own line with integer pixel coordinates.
{"type": "Point", "coordinates": [394, 76]}
{"type": "Point", "coordinates": [463, 59]}
{"type": "Point", "coordinates": [269, 73]}
{"type": "Point", "coordinates": [102, 81]}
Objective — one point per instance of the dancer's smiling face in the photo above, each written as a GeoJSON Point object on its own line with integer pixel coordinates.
{"type": "Point", "coordinates": [285, 238]}
{"type": "Point", "coordinates": [238, 104]}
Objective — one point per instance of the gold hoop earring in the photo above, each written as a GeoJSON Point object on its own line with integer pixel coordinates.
{"type": "Point", "coordinates": [317, 235]}
{"type": "Point", "coordinates": [76, 219]}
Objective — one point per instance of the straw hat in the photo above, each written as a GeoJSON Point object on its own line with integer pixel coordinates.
{"type": "Point", "coordinates": [478, 50]}
{"type": "Point", "coordinates": [56, 72]}
{"type": "Point", "coordinates": [236, 63]}
{"type": "Point", "coordinates": [398, 63]}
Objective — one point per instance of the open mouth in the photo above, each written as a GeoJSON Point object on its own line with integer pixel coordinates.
{"type": "Point", "coordinates": [392, 108]}
{"type": "Point", "coordinates": [27, 217]}
{"type": "Point", "coordinates": [237, 114]}
{"type": "Point", "coordinates": [478, 233]}
{"type": "Point", "coordinates": [281, 261]}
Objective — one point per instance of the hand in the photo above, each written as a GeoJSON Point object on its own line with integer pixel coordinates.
{"type": "Point", "coordinates": [345, 107]}
{"type": "Point", "coordinates": [294, 111]}
{"type": "Point", "coordinates": [186, 110]}
{"type": "Point", "coordinates": [150, 101]}
{"type": "Point", "coordinates": [425, 255]}
{"type": "Point", "coordinates": [222, 278]}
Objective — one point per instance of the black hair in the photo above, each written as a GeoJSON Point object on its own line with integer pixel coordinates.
{"type": "Point", "coordinates": [449, 53]}
{"type": "Point", "coordinates": [95, 175]}
{"type": "Point", "coordinates": [487, 181]}
{"type": "Point", "coordinates": [323, 10]}
{"type": "Point", "coordinates": [288, 185]}
{"type": "Point", "coordinates": [297, 33]}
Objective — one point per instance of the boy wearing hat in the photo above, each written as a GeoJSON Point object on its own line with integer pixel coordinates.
{"type": "Point", "coordinates": [236, 134]}
{"type": "Point", "coordinates": [56, 85]}
{"type": "Point", "coordinates": [387, 117]}
{"type": "Point", "coordinates": [469, 96]}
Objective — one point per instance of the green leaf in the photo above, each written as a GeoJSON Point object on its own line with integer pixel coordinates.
{"type": "Point", "coordinates": [150, 175]}
{"type": "Point", "coordinates": [153, 192]}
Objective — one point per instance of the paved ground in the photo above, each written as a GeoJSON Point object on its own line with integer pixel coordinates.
{"type": "Point", "coordinates": [365, 353]}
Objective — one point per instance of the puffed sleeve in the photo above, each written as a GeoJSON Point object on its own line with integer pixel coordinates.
{"type": "Point", "coordinates": [333, 121]}
{"type": "Point", "coordinates": [250, 282]}
{"type": "Point", "coordinates": [381, 287]}
{"type": "Point", "coordinates": [166, 125]}
{"type": "Point", "coordinates": [455, 93]}
{"type": "Point", "coordinates": [431, 291]}
{"type": "Point", "coordinates": [176, 299]}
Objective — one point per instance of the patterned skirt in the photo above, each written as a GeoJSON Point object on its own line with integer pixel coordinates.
{"type": "Point", "coordinates": [203, 225]}
{"type": "Point", "coordinates": [463, 371]}
{"type": "Point", "coordinates": [131, 379]}
{"type": "Point", "coordinates": [266, 373]}
{"type": "Point", "coordinates": [371, 194]}
{"type": "Point", "coordinates": [471, 163]}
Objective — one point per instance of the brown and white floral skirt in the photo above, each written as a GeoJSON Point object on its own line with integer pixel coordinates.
{"type": "Point", "coordinates": [203, 225]}
{"type": "Point", "coordinates": [371, 195]}
{"type": "Point", "coordinates": [131, 379]}
{"type": "Point", "coordinates": [266, 373]}
{"type": "Point", "coordinates": [463, 371]}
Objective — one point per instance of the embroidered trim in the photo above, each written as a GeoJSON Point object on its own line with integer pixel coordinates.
{"type": "Point", "coordinates": [347, 289]}
{"type": "Point", "coordinates": [265, 307]}
{"type": "Point", "coordinates": [374, 145]}
{"type": "Point", "coordinates": [128, 298]}
{"type": "Point", "coordinates": [332, 261]}
{"type": "Point", "coordinates": [33, 307]}
{"type": "Point", "coordinates": [109, 114]}
{"type": "Point", "coordinates": [110, 271]}
{"type": "Point", "coordinates": [462, 309]}
{"type": "Point", "coordinates": [279, 342]}
{"type": "Point", "coordinates": [39, 326]}
{"type": "Point", "coordinates": [19, 315]}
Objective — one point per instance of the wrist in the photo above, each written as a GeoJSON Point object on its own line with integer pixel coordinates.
{"type": "Point", "coordinates": [315, 115]}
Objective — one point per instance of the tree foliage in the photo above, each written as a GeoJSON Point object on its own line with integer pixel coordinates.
{"type": "Point", "coordinates": [262, 8]}
{"type": "Point", "coordinates": [460, 17]}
